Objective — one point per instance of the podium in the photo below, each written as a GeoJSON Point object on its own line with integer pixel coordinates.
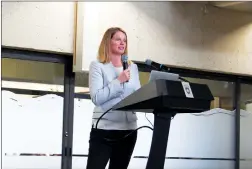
{"type": "Point", "coordinates": [165, 98]}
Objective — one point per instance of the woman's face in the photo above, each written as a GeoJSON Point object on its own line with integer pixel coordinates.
{"type": "Point", "coordinates": [118, 43]}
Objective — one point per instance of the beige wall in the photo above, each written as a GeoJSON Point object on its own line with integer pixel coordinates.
{"type": "Point", "coordinates": [175, 33]}
{"type": "Point", "coordinates": [38, 25]}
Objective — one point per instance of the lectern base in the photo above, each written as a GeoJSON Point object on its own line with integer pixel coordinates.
{"type": "Point", "coordinates": [159, 142]}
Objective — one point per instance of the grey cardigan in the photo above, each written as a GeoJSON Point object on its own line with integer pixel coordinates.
{"type": "Point", "coordinates": [106, 90]}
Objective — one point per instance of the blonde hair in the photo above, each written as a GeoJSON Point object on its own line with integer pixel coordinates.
{"type": "Point", "coordinates": [103, 52]}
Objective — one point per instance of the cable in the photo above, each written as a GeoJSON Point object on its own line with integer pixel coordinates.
{"type": "Point", "coordinates": [101, 117]}
{"type": "Point", "coordinates": [148, 120]}
{"type": "Point", "coordinates": [125, 135]}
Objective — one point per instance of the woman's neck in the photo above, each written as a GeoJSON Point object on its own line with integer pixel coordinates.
{"type": "Point", "coordinates": [116, 60]}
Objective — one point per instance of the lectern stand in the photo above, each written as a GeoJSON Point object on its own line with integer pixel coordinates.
{"type": "Point", "coordinates": [160, 135]}
{"type": "Point", "coordinates": [164, 99]}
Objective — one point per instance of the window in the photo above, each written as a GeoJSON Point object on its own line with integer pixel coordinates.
{"type": "Point", "coordinates": [223, 92]}
{"type": "Point", "coordinates": [31, 114]}
{"type": "Point", "coordinates": [81, 83]}
{"type": "Point", "coordinates": [190, 127]}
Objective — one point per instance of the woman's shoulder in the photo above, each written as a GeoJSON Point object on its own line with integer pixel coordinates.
{"type": "Point", "coordinates": [95, 64]}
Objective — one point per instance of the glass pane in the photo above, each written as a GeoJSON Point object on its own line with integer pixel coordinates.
{"type": "Point", "coordinates": [81, 83]}
{"type": "Point", "coordinates": [221, 90]}
{"type": "Point", "coordinates": [191, 133]}
{"type": "Point", "coordinates": [83, 109]}
{"type": "Point", "coordinates": [144, 77]}
{"type": "Point", "coordinates": [246, 126]}
{"type": "Point", "coordinates": [32, 124]}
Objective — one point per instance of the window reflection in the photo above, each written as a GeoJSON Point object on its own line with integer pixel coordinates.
{"type": "Point", "coordinates": [246, 126]}
{"type": "Point", "coordinates": [246, 97]}
{"type": "Point", "coordinates": [222, 91]}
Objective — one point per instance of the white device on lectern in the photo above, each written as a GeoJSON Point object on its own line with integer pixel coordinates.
{"type": "Point", "coordinates": [156, 75]}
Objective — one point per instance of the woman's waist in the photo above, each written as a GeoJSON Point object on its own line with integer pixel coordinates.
{"type": "Point", "coordinates": [115, 115]}
{"type": "Point", "coordinates": [111, 111]}
{"type": "Point", "coordinates": [111, 125]}
{"type": "Point", "coordinates": [108, 109]}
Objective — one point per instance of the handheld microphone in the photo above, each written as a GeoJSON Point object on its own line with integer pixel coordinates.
{"type": "Point", "coordinates": [156, 65]}
{"type": "Point", "coordinates": [125, 63]}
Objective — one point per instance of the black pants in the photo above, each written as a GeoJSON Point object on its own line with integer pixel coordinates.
{"type": "Point", "coordinates": [118, 153]}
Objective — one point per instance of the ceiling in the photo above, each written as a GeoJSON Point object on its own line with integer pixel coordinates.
{"type": "Point", "coordinates": [242, 6]}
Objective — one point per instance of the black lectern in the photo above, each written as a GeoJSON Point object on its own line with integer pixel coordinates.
{"type": "Point", "coordinates": [165, 98]}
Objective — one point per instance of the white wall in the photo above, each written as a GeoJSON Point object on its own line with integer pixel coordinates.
{"type": "Point", "coordinates": [34, 125]}
{"type": "Point", "coordinates": [38, 25]}
{"type": "Point", "coordinates": [174, 33]}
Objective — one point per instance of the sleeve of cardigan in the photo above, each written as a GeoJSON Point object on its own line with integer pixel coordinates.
{"type": "Point", "coordinates": [98, 92]}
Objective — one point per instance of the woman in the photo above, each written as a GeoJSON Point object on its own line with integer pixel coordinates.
{"type": "Point", "coordinates": [109, 84]}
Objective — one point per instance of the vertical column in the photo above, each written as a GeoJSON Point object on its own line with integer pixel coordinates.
{"type": "Point", "coordinates": [237, 122]}
{"type": "Point", "coordinates": [68, 110]}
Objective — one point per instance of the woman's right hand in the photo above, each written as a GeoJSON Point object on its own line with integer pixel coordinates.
{"type": "Point", "coordinates": [124, 76]}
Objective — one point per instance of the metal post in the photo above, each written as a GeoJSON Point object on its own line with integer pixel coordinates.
{"type": "Point", "coordinates": [237, 122]}
{"type": "Point", "coordinates": [68, 112]}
